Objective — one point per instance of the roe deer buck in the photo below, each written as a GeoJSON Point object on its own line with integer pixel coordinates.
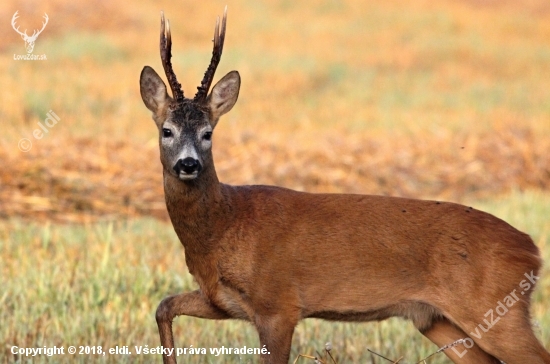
{"type": "Point", "coordinates": [273, 256]}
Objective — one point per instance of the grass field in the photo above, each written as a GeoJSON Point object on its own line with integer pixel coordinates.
{"type": "Point", "coordinates": [424, 99]}
{"type": "Point", "coordinates": [99, 284]}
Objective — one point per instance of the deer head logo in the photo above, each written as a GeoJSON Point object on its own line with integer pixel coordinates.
{"type": "Point", "coordinates": [29, 41]}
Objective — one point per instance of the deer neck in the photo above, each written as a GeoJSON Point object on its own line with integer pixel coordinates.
{"type": "Point", "coordinates": [197, 210]}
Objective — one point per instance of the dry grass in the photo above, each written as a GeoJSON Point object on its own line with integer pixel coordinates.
{"type": "Point", "coordinates": [109, 179]}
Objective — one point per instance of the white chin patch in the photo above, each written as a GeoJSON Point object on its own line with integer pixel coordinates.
{"type": "Point", "coordinates": [188, 176]}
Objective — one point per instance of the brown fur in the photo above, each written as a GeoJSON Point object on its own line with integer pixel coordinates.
{"type": "Point", "coordinates": [273, 256]}
{"type": "Point", "coordinates": [264, 253]}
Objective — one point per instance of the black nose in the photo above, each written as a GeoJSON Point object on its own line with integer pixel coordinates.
{"type": "Point", "coordinates": [188, 165]}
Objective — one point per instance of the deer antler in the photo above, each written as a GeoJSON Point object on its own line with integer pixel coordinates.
{"type": "Point", "coordinates": [219, 37]}
{"type": "Point", "coordinates": [13, 19]}
{"type": "Point", "coordinates": [35, 34]}
{"type": "Point", "coordinates": [166, 55]}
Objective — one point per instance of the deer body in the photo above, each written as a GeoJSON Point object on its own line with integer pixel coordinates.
{"type": "Point", "coordinates": [347, 257]}
{"type": "Point", "coordinates": [273, 256]}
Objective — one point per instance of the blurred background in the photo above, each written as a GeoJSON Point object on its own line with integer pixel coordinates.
{"type": "Point", "coordinates": [427, 99]}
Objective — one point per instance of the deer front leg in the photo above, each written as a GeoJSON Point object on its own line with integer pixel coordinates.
{"type": "Point", "coordinates": [189, 304]}
{"type": "Point", "coordinates": [276, 334]}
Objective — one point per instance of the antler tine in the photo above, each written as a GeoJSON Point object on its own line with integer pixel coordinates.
{"type": "Point", "coordinates": [46, 18]}
{"type": "Point", "coordinates": [13, 19]}
{"type": "Point", "coordinates": [219, 37]}
{"type": "Point", "coordinates": [37, 32]}
{"type": "Point", "coordinates": [166, 55]}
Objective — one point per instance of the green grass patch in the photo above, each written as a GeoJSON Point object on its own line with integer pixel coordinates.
{"type": "Point", "coordinates": [80, 46]}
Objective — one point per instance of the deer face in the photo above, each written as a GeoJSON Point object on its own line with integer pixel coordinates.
{"type": "Point", "coordinates": [186, 125]}
{"type": "Point", "coordinates": [186, 141]}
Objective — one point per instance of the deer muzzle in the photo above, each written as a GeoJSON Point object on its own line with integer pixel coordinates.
{"type": "Point", "coordinates": [187, 168]}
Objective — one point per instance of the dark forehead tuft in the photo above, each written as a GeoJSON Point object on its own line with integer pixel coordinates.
{"type": "Point", "coordinates": [188, 111]}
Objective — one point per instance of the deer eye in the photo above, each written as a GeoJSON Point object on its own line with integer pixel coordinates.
{"type": "Point", "coordinates": [166, 133]}
{"type": "Point", "coordinates": [207, 135]}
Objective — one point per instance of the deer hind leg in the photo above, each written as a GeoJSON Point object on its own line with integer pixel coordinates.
{"type": "Point", "coordinates": [189, 304]}
{"type": "Point", "coordinates": [276, 336]}
{"type": "Point", "coordinates": [511, 337]}
{"type": "Point", "coordinates": [443, 332]}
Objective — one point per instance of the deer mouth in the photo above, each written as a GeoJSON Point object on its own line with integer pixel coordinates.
{"type": "Point", "coordinates": [188, 176]}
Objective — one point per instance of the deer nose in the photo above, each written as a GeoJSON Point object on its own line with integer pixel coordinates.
{"type": "Point", "coordinates": [188, 165]}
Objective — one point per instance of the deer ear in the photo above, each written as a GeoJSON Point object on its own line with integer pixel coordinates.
{"type": "Point", "coordinates": [153, 90]}
{"type": "Point", "coordinates": [223, 96]}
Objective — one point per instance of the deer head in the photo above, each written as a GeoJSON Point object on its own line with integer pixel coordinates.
{"type": "Point", "coordinates": [186, 125]}
{"type": "Point", "coordinates": [29, 41]}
